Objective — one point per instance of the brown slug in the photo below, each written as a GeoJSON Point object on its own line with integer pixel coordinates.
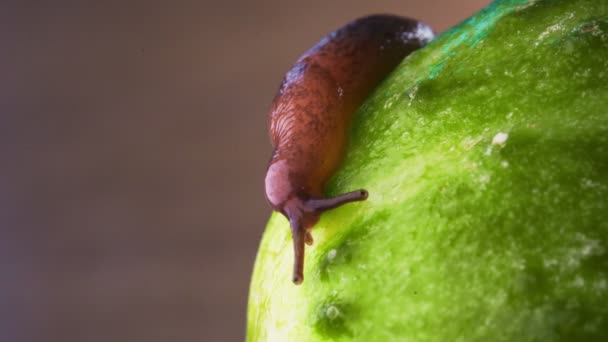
{"type": "Point", "coordinates": [311, 114]}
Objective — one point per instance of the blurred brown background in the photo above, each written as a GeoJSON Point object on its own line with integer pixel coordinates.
{"type": "Point", "coordinates": [133, 146]}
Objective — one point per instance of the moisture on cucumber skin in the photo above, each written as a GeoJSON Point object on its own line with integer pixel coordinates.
{"type": "Point", "coordinates": [311, 114]}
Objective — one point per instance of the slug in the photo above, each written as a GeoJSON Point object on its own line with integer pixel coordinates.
{"type": "Point", "coordinates": [311, 114]}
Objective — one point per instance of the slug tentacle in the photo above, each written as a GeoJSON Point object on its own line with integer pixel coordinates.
{"type": "Point", "coordinates": [322, 204]}
{"type": "Point", "coordinates": [309, 239]}
{"type": "Point", "coordinates": [298, 233]}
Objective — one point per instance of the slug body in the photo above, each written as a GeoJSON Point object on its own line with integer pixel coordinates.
{"type": "Point", "coordinates": [311, 114]}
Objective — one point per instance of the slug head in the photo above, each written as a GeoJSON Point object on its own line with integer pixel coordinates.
{"type": "Point", "coordinates": [303, 214]}
{"type": "Point", "coordinates": [287, 194]}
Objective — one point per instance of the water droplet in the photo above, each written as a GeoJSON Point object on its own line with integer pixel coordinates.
{"type": "Point", "coordinates": [332, 312]}
{"type": "Point", "coordinates": [601, 284]}
{"type": "Point", "coordinates": [489, 150]}
{"type": "Point", "coordinates": [412, 94]}
{"type": "Point", "coordinates": [588, 183]}
{"type": "Point", "coordinates": [579, 281]}
{"type": "Point", "coordinates": [550, 263]}
{"type": "Point", "coordinates": [331, 255]}
{"type": "Point", "coordinates": [500, 138]}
